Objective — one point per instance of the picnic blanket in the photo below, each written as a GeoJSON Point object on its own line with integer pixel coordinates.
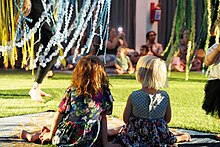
{"type": "Point", "coordinates": [10, 127]}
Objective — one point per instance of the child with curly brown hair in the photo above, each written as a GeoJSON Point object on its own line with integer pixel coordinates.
{"type": "Point", "coordinates": [81, 116]}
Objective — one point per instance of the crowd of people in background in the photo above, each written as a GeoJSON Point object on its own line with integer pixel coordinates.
{"type": "Point", "coordinates": [117, 39]}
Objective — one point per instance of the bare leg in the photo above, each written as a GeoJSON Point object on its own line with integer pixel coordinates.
{"type": "Point", "coordinates": [114, 131]}
{"type": "Point", "coordinates": [118, 71]}
{"type": "Point", "coordinates": [218, 136]}
{"type": "Point", "coordinates": [179, 68]}
{"type": "Point", "coordinates": [185, 137]}
{"type": "Point", "coordinates": [35, 92]}
{"type": "Point", "coordinates": [31, 137]}
{"type": "Point", "coordinates": [131, 71]}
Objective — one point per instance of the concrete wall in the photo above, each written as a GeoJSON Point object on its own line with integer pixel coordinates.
{"type": "Point", "coordinates": [143, 23]}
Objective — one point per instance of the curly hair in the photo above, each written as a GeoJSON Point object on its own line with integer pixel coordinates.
{"type": "Point", "coordinates": [89, 76]}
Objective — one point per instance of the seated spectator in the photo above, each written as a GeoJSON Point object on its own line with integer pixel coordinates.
{"type": "Point", "coordinates": [123, 63]}
{"type": "Point", "coordinates": [179, 61]}
{"type": "Point", "coordinates": [183, 46]}
{"type": "Point", "coordinates": [80, 119]}
{"type": "Point", "coordinates": [148, 110]}
{"type": "Point", "coordinates": [70, 62]}
{"type": "Point", "coordinates": [69, 59]}
{"type": "Point", "coordinates": [155, 48]}
{"type": "Point", "coordinates": [135, 56]}
{"type": "Point", "coordinates": [144, 50]}
{"type": "Point", "coordinates": [177, 64]}
{"type": "Point", "coordinates": [197, 62]}
{"type": "Point", "coordinates": [116, 39]}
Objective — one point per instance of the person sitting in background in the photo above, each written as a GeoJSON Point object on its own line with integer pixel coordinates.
{"type": "Point", "coordinates": [116, 39]}
{"type": "Point", "coordinates": [123, 63]}
{"type": "Point", "coordinates": [177, 64]}
{"type": "Point", "coordinates": [179, 60]}
{"type": "Point", "coordinates": [155, 48]}
{"type": "Point", "coordinates": [183, 46]}
{"type": "Point", "coordinates": [197, 62]}
{"type": "Point", "coordinates": [144, 50]}
{"type": "Point", "coordinates": [70, 62]}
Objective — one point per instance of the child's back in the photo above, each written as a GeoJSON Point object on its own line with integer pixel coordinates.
{"type": "Point", "coordinates": [149, 106]}
{"type": "Point", "coordinates": [148, 110]}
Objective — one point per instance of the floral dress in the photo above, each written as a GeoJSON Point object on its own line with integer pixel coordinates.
{"type": "Point", "coordinates": [147, 126]}
{"type": "Point", "coordinates": [82, 116]}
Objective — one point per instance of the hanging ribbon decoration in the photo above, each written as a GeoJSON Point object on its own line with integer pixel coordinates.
{"type": "Point", "coordinates": [60, 14]}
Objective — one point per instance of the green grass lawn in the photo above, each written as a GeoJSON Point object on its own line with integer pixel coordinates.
{"type": "Point", "coordinates": [186, 97]}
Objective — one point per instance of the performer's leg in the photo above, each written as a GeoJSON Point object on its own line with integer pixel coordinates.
{"type": "Point", "coordinates": [42, 71]}
{"type": "Point", "coordinates": [35, 91]}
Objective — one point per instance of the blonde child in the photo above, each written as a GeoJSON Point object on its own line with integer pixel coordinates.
{"type": "Point", "coordinates": [123, 63]}
{"type": "Point", "coordinates": [81, 116]}
{"type": "Point", "coordinates": [148, 110]}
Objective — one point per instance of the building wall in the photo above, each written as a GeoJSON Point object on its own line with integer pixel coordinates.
{"type": "Point", "coordinates": [143, 23]}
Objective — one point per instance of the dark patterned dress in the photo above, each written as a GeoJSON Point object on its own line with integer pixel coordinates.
{"type": "Point", "coordinates": [82, 117]}
{"type": "Point", "coordinates": [147, 126]}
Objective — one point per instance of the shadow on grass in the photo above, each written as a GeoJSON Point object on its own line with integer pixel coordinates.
{"type": "Point", "coordinates": [125, 76]}
{"type": "Point", "coordinates": [14, 93]}
{"type": "Point", "coordinates": [14, 96]}
{"type": "Point", "coordinates": [190, 80]}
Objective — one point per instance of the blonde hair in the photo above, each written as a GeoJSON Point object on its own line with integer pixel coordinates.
{"type": "Point", "coordinates": [89, 76]}
{"type": "Point", "coordinates": [151, 72]}
{"type": "Point", "coordinates": [124, 49]}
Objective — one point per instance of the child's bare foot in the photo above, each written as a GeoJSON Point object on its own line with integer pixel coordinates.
{"type": "Point", "coordinates": [31, 137]}
{"type": "Point", "coordinates": [185, 137]}
{"type": "Point", "coordinates": [35, 94]}
{"type": "Point", "coordinates": [218, 136]}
